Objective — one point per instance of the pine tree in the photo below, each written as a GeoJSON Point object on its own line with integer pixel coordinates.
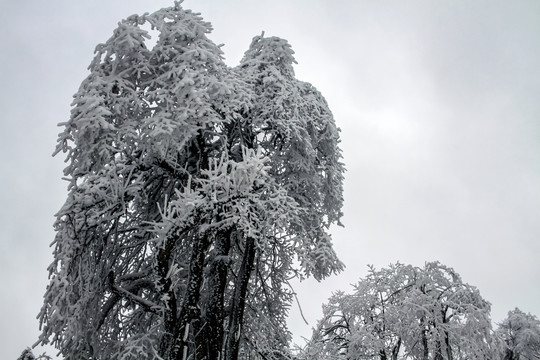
{"type": "Point", "coordinates": [193, 187]}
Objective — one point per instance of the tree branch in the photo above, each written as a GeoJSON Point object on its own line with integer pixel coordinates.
{"type": "Point", "coordinates": [119, 291]}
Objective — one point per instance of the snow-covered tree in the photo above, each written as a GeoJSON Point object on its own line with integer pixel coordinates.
{"type": "Point", "coordinates": [196, 191]}
{"type": "Point", "coordinates": [454, 319]}
{"type": "Point", "coordinates": [405, 312]}
{"type": "Point", "coordinates": [520, 334]}
{"type": "Point", "coordinates": [27, 354]}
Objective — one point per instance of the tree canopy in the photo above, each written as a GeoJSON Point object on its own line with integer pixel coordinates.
{"type": "Point", "coordinates": [196, 191]}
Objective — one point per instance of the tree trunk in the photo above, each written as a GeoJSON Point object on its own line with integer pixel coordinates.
{"type": "Point", "coordinates": [188, 322]}
{"type": "Point", "coordinates": [438, 351]}
{"type": "Point", "coordinates": [190, 313]}
{"type": "Point", "coordinates": [509, 355]}
{"type": "Point", "coordinates": [425, 345]}
{"type": "Point", "coordinates": [164, 282]}
{"type": "Point", "coordinates": [212, 336]}
{"type": "Point", "coordinates": [239, 301]}
{"type": "Point", "coordinates": [449, 354]}
{"type": "Point", "coordinates": [395, 350]}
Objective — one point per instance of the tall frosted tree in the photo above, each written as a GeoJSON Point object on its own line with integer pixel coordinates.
{"type": "Point", "coordinates": [196, 191]}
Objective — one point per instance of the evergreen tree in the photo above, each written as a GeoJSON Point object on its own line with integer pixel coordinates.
{"type": "Point", "coordinates": [193, 187]}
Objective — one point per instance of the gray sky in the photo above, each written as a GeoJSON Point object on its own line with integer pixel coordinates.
{"type": "Point", "coordinates": [439, 106]}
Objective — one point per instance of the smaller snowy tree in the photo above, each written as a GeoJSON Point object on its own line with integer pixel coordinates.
{"type": "Point", "coordinates": [520, 334]}
{"type": "Point", "coordinates": [27, 354]}
{"type": "Point", "coordinates": [454, 319]}
{"type": "Point", "coordinates": [405, 312]}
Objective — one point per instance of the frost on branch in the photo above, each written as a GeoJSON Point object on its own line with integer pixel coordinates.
{"type": "Point", "coordinates": [193, 187]}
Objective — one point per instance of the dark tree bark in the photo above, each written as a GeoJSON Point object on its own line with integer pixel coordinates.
{"type": "Point", "coordinates": [189, 319]}
{"type": "Point", "coordinates": [170, 315]}
{"type": "Point", "coordinates": [509, 355]}
{"type": "Point", "coordinates": [212, 335]}
{"type": "Point", "coordinates": [425, 343]}
{"type": "Point", "coordinates": [449, 354]}
{"type": "Point", "coordinates": [239, 300]}
{"type": "Point", "coordinates": [395, 350]}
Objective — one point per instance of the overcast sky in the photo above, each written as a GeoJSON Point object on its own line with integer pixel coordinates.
{"type": "Point", "coordinates": [438, 103]}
